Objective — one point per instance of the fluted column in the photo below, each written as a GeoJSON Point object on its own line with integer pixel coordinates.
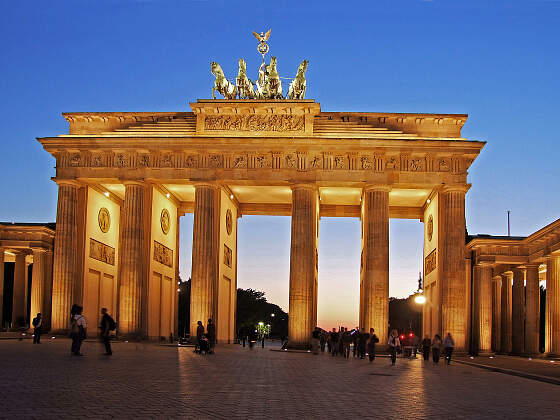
{"type": "Point", "coordinates": [134, 254]}
{"type": "Point", "coordinates": [532, 309]}
{"type": "Point", "coordinates": [552, 331]}
{"type": "Point", "coordinates": [19, 304]}
{"type": "Point", "coordinates": [204, 279]}
{"type": "Point", "coordinates": [482, 328]}
{"type": "Point", "coordinates": [518, 312]}
{"type": "Point", "coordinates": [302, 265]}
{"type": "Point", "coordinates": [505, 338]}
{"type": "Point", "coordinates": [1, 288]}
{"type": "Point", "coordinates": [496, 312]}
{"type": "Point", "coordinates": [65, 265]}
{"type": "Point", "coordinates": [375, 273]}
{"type": "Point", "coordinates": [452, 257]}
{"type": "Point", "coordinates": [38, 281]}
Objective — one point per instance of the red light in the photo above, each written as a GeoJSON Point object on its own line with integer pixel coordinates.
{"type": "Point", "coordinates": [402, 336]}
{"type": "Point", "coordinates": [410, 335]}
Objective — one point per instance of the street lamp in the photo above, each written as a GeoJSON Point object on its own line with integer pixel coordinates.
{"type": "Point", "coordinates": [420, 299]}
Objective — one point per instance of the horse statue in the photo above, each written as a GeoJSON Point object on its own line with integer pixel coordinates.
{"type": "Point", "coordinates": [298, 85]}
{"type": "Point", "coordinates": [273, 82]}
{"type": "Point", "coordinates": [222, 85]}
{"type": "Point", "coordinates": [260, 84]}
{"type": "Point", "coordinates": [244, 85]}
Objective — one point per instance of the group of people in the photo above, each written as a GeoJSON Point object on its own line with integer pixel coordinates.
{"type": "Point", "coordinates": [205, 341]}
{"type": "Point", "coordinates": [363, 343]}
{"type": "Point", "coordinates": [339, 342]}
{"type": "Point", "coordinates": [78, 329]}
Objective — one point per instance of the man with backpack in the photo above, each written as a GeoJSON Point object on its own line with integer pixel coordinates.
{"type": "Point", "coordinates": [37, 323]}
{"type": "Point", "coordinates": [107, 325]}
{"type": "Point", "coordinates": [78, 330]}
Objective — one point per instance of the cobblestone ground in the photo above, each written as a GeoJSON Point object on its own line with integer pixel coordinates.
{"type": "Point", "coordinates": [150, 381]}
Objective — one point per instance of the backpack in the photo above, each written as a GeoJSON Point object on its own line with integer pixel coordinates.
{"type": "Point", "coordinates": [35, 322]}
{"type": "Point", "coordinates": [111, 324]}
{"type": "Point", "coordinates": [75, 328]}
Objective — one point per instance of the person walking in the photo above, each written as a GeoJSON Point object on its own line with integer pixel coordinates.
{"type": "Point", "coordinates": [107, 325]}
{"type": "Point", "coordinates": [426, 344]}
{"type": "Point", "coordinates": [362, 343]}
{"type": "Point", "coordinates": [78, 330]}
{"type": "Point", "coordinates": [315, 336]}
{"type": "Point", "coordinates": [355, 341]}
{"type": "Point", "coordinates": [373, 340]}
{"type": "Point", "coordinates": [37, 323]}
{"type": "Point", "coordinates": [211, 332]}
{"type": "Point", "coordinates": [323, 340]}
{"type": "Point", "coordinates": [199, 335]}
{"type": "Point", "coordinates": [436, 346]}
{"type": "Point", "coordinates": [341, 341]}
{"type": "Point", "coordinates": [448, 346]}
{"type": "Point", "coordinates": [394, 345]}
{"type": "Point", "coordinates": [346, 341]}
{"type": "Point", "coordinates": [333, 337]}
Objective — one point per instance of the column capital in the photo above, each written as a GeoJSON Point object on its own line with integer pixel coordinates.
{"type": "Point", "coordinates": [445, 188]}
{"type": "Point", "coordinates": [312, 187]}
{"type": "Point", "coordinates": [377, 187]}
{"type": "Point", "coordinates": [37, 250]}
{"type": "Point", "coordinates": [67, 182]}
{"type": "Point", "coordinates": [139, 182]}
{"type": "Point", "coordinates": [213, 185]}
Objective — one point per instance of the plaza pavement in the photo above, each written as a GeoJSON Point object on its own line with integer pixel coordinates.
{"type": "Point", "coordinates": [152, 381]}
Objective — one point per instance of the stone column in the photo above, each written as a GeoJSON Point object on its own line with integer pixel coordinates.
{"type": "Point", "coordinates": [1, 288]}
{"type": "Point", "coordinates": [482, 323]}
{"type": "Point", "coordinates": [66, 254]}
{"type": "Point", "coordinates": [505, 338]}
{"type": "Point", "coordinates": [375, 273]}
{"type": "Point", "coordinates": [302, 265]}
{"type": "Point", "coordinates": [38, 281]}
{"type": "Point", "coordinates": [19, 303]}
{"type": "Point", "coordinates": [532, 309]}
{"type": "Point", "coordinates": [452, 258]}
{"type": "Point", "coordinates": [518, 312]}
{"type": "Point", "coordinates": [552, 329]}
{"type": "Point", "coordinates": [496, 312]}
{"type": "Point", "coordinates": [204, 279]}
{"type": "Point", "coordinates": [134, 254]}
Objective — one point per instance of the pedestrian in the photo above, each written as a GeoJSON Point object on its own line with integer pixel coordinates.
{"type": "Point", "coordinates": [448, 345]}
{"type": "Point", "coordinates": [323, 340]}
{"type": "Point", "coordinates": [346, 341]}
{"type": "Point", "coordinates": [333, 336]}
{"type": "Point", "coordinates": [340, 341]}
{"type": "Point", "coordinates": [37, 323]}
{"type": "Point", "coordinates": [415, 344]}
{"type": "Point", "coordinates": [426, 344]}
{"type": "Point", "coordinates": [355, 341]}
{"type": "Point", "coordinates": [362, 343]}
{"type": "Point", "coordinates": [315, 336]}
{"type": "Point", "coordinates": [373, 340]}
{"type": "Point", "coordinates": [199, 335]}
{"type": "Point", "coordinates": [436, 346]}
{"type": "Point", "coordinates": [78, 330]}
{"type": "Point", "coordinates": [211, 333]}
{"type": "Point", "coordinates": [253, 335]}
{"type": "Point", "coordinates": [107, 325]}
{"type": "Point", "coordinates": [394, 346]}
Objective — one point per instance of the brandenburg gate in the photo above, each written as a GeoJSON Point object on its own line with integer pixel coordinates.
{"type": "Point", "coordinates": [125, 178]}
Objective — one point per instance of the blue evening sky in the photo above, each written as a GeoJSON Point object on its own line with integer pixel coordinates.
{"type": "Point", "coordinates": [497, 61]}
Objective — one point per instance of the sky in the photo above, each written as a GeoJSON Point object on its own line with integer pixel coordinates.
{"type": "Point", "coordinates": [497, 61]}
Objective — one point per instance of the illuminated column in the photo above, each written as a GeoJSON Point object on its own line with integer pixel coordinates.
{"type": "Point", "coordinates": [532, 310]}
{"type": "Point", "coordinates": [518, 312]}
{"type": "Point", "coordinates": [375, 273]}
{"type": "Point", "coordinates": [482, 328]}
{"type": "Point", "coordinates": [552, 330]}
{"type": "Point", "coordinates": [65, 265]}
{"type": "Point", "coordinates": [19, 304]}
{"type": "Point", "coordinates": [496, 312]}
{"type": "Point", "coordinates": [134, 254]}
{"type": "Point", "coordinates": [38, 282]}
{"type": "Point", "coordinates": [452, 254]}
{"type": "Point", "coordinates": [302, 265]}
{"type": "Point", "coordinates": [505, 338]}
{"type": "Point", "coordinates": [204, 279]}
{"type": "Point", "coordinates": [1, 288]}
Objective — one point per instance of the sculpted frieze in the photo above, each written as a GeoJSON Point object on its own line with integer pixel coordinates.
{"type": "Point", "coordinates": [392, 163]}
{"type": "Point", "coordinates": [97, 160]}
{"type": "Point", "coordinates": [166, 160]}
{"type": "Point", "coordinates": [366, 163]}
{"type": "Point", "coordinates": [163, 254]}
{"type": "Point", "coordinates": [191, 161]}
{"type": "Point", "coordinates": [290, 161]}
{"type": "Point", "coordinates": [143, 160]}
{"type": "Point", "coordinates": [240, 162]}
{"type": "Point", "coordinates": [316, 162]}
{"type": "Point", "coordinates": [254, 123]}
{"type": "Point", "coordinates": [75, 159]}
{"type": "Point", "coordinates": [101, 252]}
{"type": "Point", "coordinates": [215, 161]}
{"type": "Point", "coordinates": [122, 160]}
{"type": "Point", "coordinates": [340, 161]}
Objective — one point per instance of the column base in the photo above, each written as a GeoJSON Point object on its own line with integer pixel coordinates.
{"type": "Point", "coordinates": [298, 346]}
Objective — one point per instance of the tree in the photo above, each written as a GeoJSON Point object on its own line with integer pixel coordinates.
{"type": "Point", "coordinates": [405, 315]}
{"type": "Point", "coordinates": [252, 308]}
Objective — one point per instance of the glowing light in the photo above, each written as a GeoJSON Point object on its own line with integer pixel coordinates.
{"type": "Point", "coordinates": [273, 315]}
{"type": "Point", "coordinates": [420, 299]}
{"type": "Point", "coordinates": [106, 193]}
{"type": "Point", "coordinates": [429, 201]}
{"type": "Point", "coordinates": [52, 338]}
{"type": "Point", "coordinates": [261, 323]}
{"type": "Point", "coordinates": [231, 196]}
{"type": "Point", "coordinates": [168, 195]}
{"type": "Point", "coordinates": [178, 290]}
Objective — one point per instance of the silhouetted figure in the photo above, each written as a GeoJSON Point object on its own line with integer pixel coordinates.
{"type": "Point", "coordinates": [211, 333]}
{"type": "Point", "coordinates": [199, 335]}
{"type": "Point", "coordinates": [373, 340]}
{"type": "Point", "coordinates": [355, 341]}
{"type": "Point", "coordinates": [448, 346]}
{"type": "Point", "coordinates": [436, 346]}
{"type": "Point", "coordinates": [362, 343]}
{"type": "Point", "coordinates": [107, 325]}
{"type": "Point", "coordinates": [323, 340]}
{"type": "Point", "coordinates": [394, 345]}
{"type": "Point", "coordinates": [333, 337]}
{"type": "Point", "coordinates": [426, 344]}
{"type": "Point", "coordinates": [341, 341]}
{"type": "Point", "coordinates": [78, 329]}
{"type": "Point", "coordinates": [346, 341]}
{"type": "Point", "coordinates": [37, 324]}
{"type": "Point", "coordinates": [253, 337]}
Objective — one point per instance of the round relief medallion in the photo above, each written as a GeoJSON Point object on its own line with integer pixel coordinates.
{"type": "Point", "coordinates": [229, 221]}
{"type": "Point", "coordinates": [430, 227]}
{"type": "Point", "coordinates": [104, 220]}
{"type": "Point", "coordinates": [165, 221]}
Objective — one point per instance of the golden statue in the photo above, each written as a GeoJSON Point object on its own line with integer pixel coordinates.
{"type": "Point", "coordinates": [222, 84]}
{"type": "Point", "coordinates": [298, 85]}
{"type": "Point", "coordinates": [244, 84]}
